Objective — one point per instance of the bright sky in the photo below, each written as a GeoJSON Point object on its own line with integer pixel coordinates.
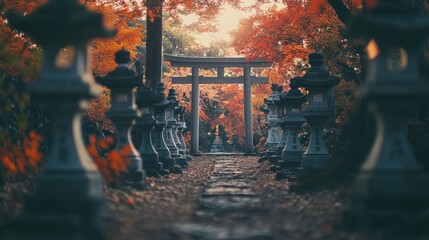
{"type": "Point", "coordinates": [228, 20]}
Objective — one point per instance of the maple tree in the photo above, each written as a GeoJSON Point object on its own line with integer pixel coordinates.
{"type": "Point", "coordinates": [286, 36]}
{"type": "Point", "coordinates": [21, 143]}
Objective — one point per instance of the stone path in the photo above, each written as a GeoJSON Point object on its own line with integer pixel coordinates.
{"type": "Point", "coordinates": [226, 206]}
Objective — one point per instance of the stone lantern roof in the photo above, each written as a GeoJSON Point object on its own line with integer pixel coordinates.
{"type": "Point", "coordinates": [391, 23]}
{"type": "Point", "coordinates": [163, 103]}
{"type": "Point", "coordinates": [123, 74]}
{"type": "Point", "coordinates": [294, 95]}
{"type": "Point", "coordinates": [317, 76]}
{"type": "Point", "coordinates": [275, 94]}
{"type": "Point", "coordinates": [172, 96]}
{"type": "Point", "coordinates": [61, 22]}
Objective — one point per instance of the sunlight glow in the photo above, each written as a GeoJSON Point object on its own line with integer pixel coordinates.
{"type": "Point", "coordinates": [227, 21]}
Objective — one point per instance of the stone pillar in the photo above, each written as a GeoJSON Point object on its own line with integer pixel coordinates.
{"type": "Point", "coordinates": [121, 82]}
{"type": "Point", "coordinates": [195, 112]}
{"type": "Point", "coordinates": [248, 120]}
{"type": "Point", "coordinates": [391, 187]}
{"type": "Point", "coordinates": [319, 83]}
{"type": "Point", "coordinates": [154, 43]}
{"type": "Point", "coordinates": [68, 191]}
{"type": "Point", "coordinates": [158, 138]}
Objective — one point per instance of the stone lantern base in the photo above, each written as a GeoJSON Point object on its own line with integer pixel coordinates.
{"type": "Point", "coordinates": [181, 160]}
{"type": "Point", "coordinates": [136, 179]}
{"type": "Point", "coordinates": [316, 161]}
{"type": "Point", "coordinates": [380, 199]}
{"type": "Point", "coordinates": [69, 214]}
{"type": "Point", "coordinates": [290, 160]}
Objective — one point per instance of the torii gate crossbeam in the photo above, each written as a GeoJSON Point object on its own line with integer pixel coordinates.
{"type": "Point", "coordinates": [219, 63]}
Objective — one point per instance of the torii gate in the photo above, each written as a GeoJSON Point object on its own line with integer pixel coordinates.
{"type": "Point", "coordinates": [219, 63]}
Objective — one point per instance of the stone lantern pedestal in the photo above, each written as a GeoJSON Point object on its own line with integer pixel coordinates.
{"type": "Point", "coordinates": [68, 198]}
{"type": "Point", "coordinates": [272, 123]}
{"type": "Point", "coordinates": [158, 132]}
{"type": "Point", "coordinates": [217, 146]}
{"type": "Point", "coordinates": [180, 128]}
{"type": "Point", "coordinates": [284, 131]}
{"type": "Point", "coordinates": [122, 82]}
{"type": "Point", "coordinates": [319, 109]}
{"type": "Point", "coordinates": [391, 184]}
{"type": "Point", "coordinates": [292, 122]}
{"type": "Point", "coordinates": [262, 155]}
{"type": "Point", "coordinates": [146, 99]}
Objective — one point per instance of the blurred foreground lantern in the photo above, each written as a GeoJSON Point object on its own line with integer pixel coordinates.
{"type": "Point", "coordinates": [391, 184]}
{"type": "Point", "coordinates": [122, 82]}
{"type": "Point", "coordinates": [68, 195]}
{"type": "Point", "coordinates": [319, 84]}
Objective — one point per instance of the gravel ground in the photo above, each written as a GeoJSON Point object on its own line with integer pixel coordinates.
{"type": "Point", "coordinates": [171, 203]}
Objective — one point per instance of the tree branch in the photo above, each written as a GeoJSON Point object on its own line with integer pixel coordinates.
{"type": "Point", "coordinates": [341, 10]}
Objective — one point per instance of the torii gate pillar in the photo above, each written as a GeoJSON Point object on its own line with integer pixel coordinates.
{"type": "Point", "coordinates": [248, 121]}
{"type": "Point", "coordinates": [195, 119]}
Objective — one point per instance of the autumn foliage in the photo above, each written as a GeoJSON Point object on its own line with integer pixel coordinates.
{"type": "Point", "coordinates": [18, 158]}
{"type": "Point", "coordinates": [111, 164]}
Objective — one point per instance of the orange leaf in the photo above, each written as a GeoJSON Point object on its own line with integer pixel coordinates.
{"type": "Point", "coordinates": [130, 201]}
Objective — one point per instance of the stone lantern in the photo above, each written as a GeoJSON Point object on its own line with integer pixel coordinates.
{"type": "Point", "coordinates": [69, 189]}
{"type": "Point", "coordinates": [391, 184]}
{"type": "Point", "coordinates": [181, 127]}
{"type": "Point", "coordinates": [319, 84]}
{"type": "Point", "coordinates": [146, 99]}
{"type": "Point", "coordinates": [264, 110]}
{"type": "Point", "coordinates": [169, 134]}
{"type": "Point", "coordinates": [282, 110]}
{"type": "Point", "coordinates": [217, 146]}
{"type": "Point", "coordinates": [158, 133]}
{"type": "Point", "coordinates": [177, 111]}
{"type": "Point", "coordinates": [272, 122]}
{"type": "Point", "coordinates": [178, 130]}
{"type": "Point", "coordinates": [291, 123]}
{"type": "Point", "coordinates": [122, 82]}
